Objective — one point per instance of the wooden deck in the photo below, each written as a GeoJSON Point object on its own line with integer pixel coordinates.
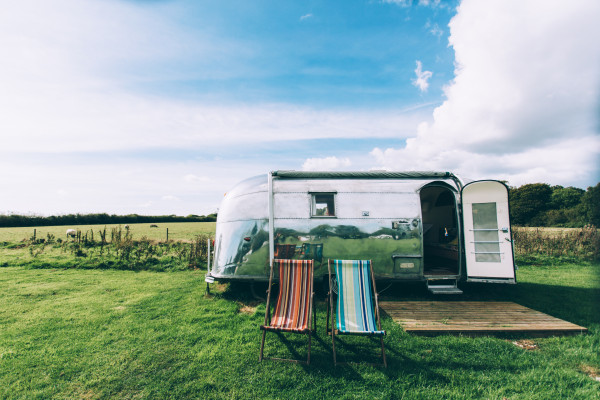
{"type": "Point", "coordinates": [474, 317]}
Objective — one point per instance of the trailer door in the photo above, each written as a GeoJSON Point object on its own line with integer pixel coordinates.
{"type": "Point", "coordinates": [487, 237]}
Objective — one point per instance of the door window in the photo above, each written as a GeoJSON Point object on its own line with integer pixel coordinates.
{"type": "Point", "coordinates": [485, 229]}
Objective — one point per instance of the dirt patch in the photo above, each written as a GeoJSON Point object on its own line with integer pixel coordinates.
{"type": "Point", "coordinates": [590, 371]}
{"type": "Point", "coordinates": [249, 308]}
{"type": "Point", "coordinates": [119, 308]}
{"type": "Point", "coordinates": [526, 344]}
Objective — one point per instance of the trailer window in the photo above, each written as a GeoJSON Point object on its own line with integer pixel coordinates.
{"type": "Point", "coordinates": [323, 205]}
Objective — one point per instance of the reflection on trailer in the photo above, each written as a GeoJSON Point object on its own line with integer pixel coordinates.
{"type": "Point", "coordinates": [427, 226]}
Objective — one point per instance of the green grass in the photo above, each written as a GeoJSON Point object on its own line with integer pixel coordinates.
{"type": "Point", "coordinates": [177, 231]}
{"type": "Point", "coordinates": [91, 334]}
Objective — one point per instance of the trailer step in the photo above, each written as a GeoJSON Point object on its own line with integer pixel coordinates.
{"type": "Point", "coordinates": [439, 289]}
{"type": "Point", "coordinates": [444, 287]}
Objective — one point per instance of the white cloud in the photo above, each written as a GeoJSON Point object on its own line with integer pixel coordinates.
{"type": "Point", "coordinates": [436, 30]}
{"type": "Point", "coordinates": [170, 197]}
{"type": "Point", "coordinates": [57, 95]}
{"type": "Point", "coordinates": [306, 16]}
{"type": "Point", "coordinates": [421, 81]}
{"type": "Point", "coordinates": [523, 104]}
{"type": "Point", "coordinates": [429, 3]}
{"type": "Point", "coordinates": [325, 164]}
{"type": "Point", "coordinates": [423, 3]}
{"type": "Point", "coordinates": [191, 178]}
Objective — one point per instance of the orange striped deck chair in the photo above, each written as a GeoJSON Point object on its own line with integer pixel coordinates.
{"type": "Point", "coordinates": [294, 309]}
{"type": "Point", "coordinates": [357, 306]}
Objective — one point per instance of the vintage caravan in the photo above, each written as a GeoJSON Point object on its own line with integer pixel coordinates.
{"type": "Point", "coordinates": [425, 226]}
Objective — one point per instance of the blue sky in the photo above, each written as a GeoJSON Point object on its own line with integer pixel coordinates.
{"type": "Point", "coordinates": [159, 107]}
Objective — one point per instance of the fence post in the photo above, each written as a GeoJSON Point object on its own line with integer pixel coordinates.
{"type": "Point", "coordinates": [167, 234]}
{"type": "Point", "coordinates": [34, 233]}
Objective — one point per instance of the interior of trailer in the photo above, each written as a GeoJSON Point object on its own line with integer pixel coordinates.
{"type": "Point", "coordinates": [440, 230]}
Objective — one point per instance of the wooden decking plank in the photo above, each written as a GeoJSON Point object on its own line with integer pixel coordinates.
{"type": "Point", "coordinates": [473, 316]}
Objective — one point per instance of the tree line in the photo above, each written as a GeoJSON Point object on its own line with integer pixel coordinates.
{"type": "Point", "coordinates": [16, 220]}
{"type": "Point", "coordinates": [539, 204]}
{"type": "Point", "coordinates": [533, 204]}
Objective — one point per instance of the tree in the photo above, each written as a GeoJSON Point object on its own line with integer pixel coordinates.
{"type": "Point", "coordinates": [563, 198]}
{"type": "Point", "coordinates": [528, 203]}
{"type": "Point", "coordinates": [591, 204]}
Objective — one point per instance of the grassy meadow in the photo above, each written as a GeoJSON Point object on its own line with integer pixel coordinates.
{"type": "Point", "coordinates": [177, 231]}
{"type": "Point", "coordinates": [140, 247]}
{"type": "Point", "coordinates": [76, 333]}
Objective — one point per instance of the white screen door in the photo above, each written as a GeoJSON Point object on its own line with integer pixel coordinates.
{"type": "Point", "coordinates": [486, 223]}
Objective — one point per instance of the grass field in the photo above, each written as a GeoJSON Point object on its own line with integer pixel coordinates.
{"type": "Point", "coordinates": [90, 334]}
{"type": "Point", "coordinates": [177, 231]}
{"type": "Point", "coordinates": [77, 333]}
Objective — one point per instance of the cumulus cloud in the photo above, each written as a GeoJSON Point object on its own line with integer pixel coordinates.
{"type": "Point", "coordinates": [523, 104]}
{"type": "Point", "coordinates": [325, 164]}
{"type": "Point", "coordinates": [306, 16]}
{"type": "Point", "coordinates": [421, 81]}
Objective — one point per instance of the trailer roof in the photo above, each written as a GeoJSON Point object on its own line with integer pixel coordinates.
{"type": "Point", "coordinates": [362, 174]}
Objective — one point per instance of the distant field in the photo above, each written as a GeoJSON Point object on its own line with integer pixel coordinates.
{"type": "Point", "coordinates": [548, 231]}
{"type": "Point", "coordinates": [177, 231]}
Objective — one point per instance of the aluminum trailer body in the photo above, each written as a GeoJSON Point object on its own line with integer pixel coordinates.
{"type": "Point", "coordinates": [413, 225]}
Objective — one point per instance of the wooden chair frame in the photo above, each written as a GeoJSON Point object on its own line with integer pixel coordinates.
{"type": "Point", "coordinates": [311, 316]}
{"type": "Point", "coordinates": [330, 309]}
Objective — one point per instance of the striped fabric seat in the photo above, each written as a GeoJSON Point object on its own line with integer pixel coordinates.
{"type": "Point", "coordinates": [292, 312]}
{"type": "Point", "coordinates": [355, 308]}
{"type": "Point", "coordinates": [294, 309]}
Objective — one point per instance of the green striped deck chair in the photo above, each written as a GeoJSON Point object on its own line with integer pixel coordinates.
{"type": "Point", "coordinates": [357, 307]}
{"type": "Point", "coordinates": [294, 309]}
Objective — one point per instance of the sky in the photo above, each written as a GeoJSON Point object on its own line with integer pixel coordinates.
{"type": "Point", "coordinates": [161, 106]}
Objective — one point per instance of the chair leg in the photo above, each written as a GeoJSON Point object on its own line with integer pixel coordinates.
{"type": "Point", "coordinates": [262, 346]}
{"type": "Point", "coordinates": [332, 331]}
{"type": "Point", "coordinates": [333, 345]}
{"type": "Point", "coordinates": [383, 352]}
{"type": "Point", "coordinates": [327, 319]}
{"type": "Point", "coordinates": [315, 316]}
{"type": "Point", "coordinates": [309, 338]}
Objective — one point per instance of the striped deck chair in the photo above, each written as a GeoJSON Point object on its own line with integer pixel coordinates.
{"type": "Point", "coordinates": [357, 307]}
{"type": "Point", "coordinates": [294, 309]}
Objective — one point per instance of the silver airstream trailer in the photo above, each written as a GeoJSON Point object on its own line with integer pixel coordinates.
{"type": "Point", "coordinates": [425, 226]}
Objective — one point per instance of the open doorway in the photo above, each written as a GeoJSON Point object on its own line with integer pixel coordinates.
{"type": "Point", "coordinates": [440, 230]}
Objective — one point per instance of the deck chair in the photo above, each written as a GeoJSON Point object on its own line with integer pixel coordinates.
{"type": "Point", "coordinates": [294, 310]}
{"type": "Point", "coordinates": [357, 307]}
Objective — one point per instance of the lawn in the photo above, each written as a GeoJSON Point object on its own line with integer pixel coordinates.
{"type": "Point", "coordinates": [99, 334]}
